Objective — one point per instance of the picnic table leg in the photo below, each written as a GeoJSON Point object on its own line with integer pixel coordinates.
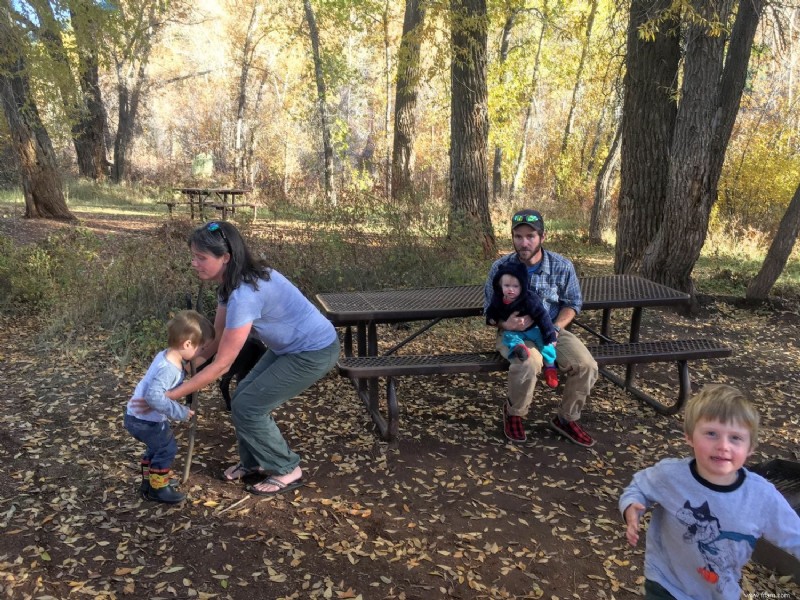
{"type": "Point", "coordinates": [393, 427]}
{"type": "Point", "coordinates": [348, 341]}
{"type": "Point", "coordinates": [372, 350]}
{"type": "Point", "coordinates": [361, 349]}
{"type": "Point", "coordinates": [685, 389]}
{"type": "Point", "coordinates": [605, 327]}
{"type": "Point", "coordinates": [368, 389]}
{"type": "Point", "coordinates": [636, 323]}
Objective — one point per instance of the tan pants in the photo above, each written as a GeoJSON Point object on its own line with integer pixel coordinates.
{"type": "Point", "coordinates": [575, 363]}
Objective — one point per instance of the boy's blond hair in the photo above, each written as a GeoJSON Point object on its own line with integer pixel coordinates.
{"type": "Point", "coordinates": [723, 403]}
{"type": "Point", "coordinates": [189, 325]}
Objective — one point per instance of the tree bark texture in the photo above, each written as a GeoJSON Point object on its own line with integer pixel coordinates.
{"type": "Point", "coordinates": [131, 58]}
{"type": "Point", "coordinates": [241, 100]}
{"type": "Point", "coordinates": [327, 145]}
{"type": "Point", "coordinates": [530, 113]}
{"type": "Point", "coordinates": [599, 217]}
{"type": "Point", "coordinates": [576, 90]}
{"type": "Point", "coordinates": [91, 128]}
{"type": "Point", "coordinates": [130, 81]}
{"type": "Point", "coordinates": [41, 181]}
{"type": "Point", "coordinates": [710, 95]}
{"type": "Point", "coordinates": [89, 131]}
{"type": "Point", "coordinates": [82, 105]}
{"type": "Point", "coordinates": [648, 122]}
{"type": "Point", "coordinates": [405, 103]}
{"type": "Point", "coordinates": [469, 125]}
{"type": "Point", "coordinates": [778, 253]}
{"type": "Point", "coordinates": [497, 167]}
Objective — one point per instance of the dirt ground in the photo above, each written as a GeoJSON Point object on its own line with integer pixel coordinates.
{"type": "Point", "coordinates": [450, 511]}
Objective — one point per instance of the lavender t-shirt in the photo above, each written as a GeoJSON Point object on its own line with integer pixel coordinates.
{"type": "Point", "coordinates": [285, 320]}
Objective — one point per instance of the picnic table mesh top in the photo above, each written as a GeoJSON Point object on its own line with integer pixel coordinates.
{"type": "Point", "coordinates": [449, 297]}
{"type": "Point", "coordinates": [616, 291]}
{"type": "Point", "coordinates": [627, 290]}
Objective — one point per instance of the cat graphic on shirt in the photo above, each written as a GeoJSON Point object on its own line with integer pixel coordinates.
{"type": "Point", "coordinates": [715, 545]}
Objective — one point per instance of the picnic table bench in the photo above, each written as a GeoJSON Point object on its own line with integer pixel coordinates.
{"type": "Point", "coordinates": [225, 200]}
{"type": "Point", "coordinates": [364, 310]}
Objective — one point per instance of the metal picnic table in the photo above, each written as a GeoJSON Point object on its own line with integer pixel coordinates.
{"type": "Point", "coordinates": [365, 310]}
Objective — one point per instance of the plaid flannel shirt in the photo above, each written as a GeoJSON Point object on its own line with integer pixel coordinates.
{"type": "Point", "coordinates": [556, 283]}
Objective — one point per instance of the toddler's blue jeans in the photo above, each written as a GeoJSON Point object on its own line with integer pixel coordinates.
{"type": "Point", "coordinates": [158, 437]}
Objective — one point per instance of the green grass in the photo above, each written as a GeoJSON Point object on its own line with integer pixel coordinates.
{"type": "Point", "coordinates": [96, 198]}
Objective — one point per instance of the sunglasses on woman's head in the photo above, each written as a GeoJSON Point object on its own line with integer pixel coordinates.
{"type": "Point", "coordinates": [214, 226]}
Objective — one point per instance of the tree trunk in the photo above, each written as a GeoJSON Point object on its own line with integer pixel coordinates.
{"type": "Point", "coordinates": [599, 217]}
{"type": "Point", "coordinates": [469, 126]}
{"type": "Point", "coordinates": [41, 182]}
{"type": "Point", "coordinates": [128, 94]}
{"type": "Point", "coordinates": [134, 37]}
{"type": "Point", "coordinates": [712, 88]}
{"type": "Point", "coordinates": [387, 112]}
{"type": "Point", "coordinates": [89, 131]}
{"type": "Point", "coordinates": [648, 122]}
{"type": "Point", "coordinates": [241, 99]}
{"type": "Point", "coordinates": [576, 90]}
{"type": "Point", "coordinates": [330, 193]}
{"type": "Point", "coordinates": [778, 253]}
{"type": "Point", "coordinates": [519, 167]}
{"type": "Point", "coordinates": [83, 108]}
{"type": "Point", "coordinates": [405, 103]}
{"type": "Point", "coordinates": [505, 42]}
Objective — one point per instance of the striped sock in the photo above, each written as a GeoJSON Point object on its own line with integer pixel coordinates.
{"type": "Point", "coordinates": [145, 466]}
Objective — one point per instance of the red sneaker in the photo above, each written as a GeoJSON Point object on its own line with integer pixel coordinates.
{"type": "Point", "coordinates": [550, 376]}
{"type": "Point", "coordinates": [572, 431]}
{"type": "Point", "coordinates": [513, 427]}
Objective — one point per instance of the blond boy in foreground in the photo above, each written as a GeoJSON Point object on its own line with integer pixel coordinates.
{"type": "Point", "coordinates": [708, 510]}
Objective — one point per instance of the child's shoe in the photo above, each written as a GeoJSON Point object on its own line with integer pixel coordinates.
{"type": "Point", "coordinates": [521, 352]}
{"type": "Point", "coordinates": [160, 489]}
{"type": "Point", "coordinates": [167, 495]}
{"type": "Point", "coordinates": [550, 376]}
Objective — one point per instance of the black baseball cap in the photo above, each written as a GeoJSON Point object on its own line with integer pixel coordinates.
{"type": "Point", "coordinates": [529, 217]}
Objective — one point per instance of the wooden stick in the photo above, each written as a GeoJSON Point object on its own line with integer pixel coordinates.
{"type": "Point", "coordinates": [195, 404]}
{"type": "Point", "coordinates": [194, 400]}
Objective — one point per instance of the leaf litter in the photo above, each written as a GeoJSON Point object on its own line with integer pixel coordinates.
{"type": "Point", "coordinates": [449, 511]}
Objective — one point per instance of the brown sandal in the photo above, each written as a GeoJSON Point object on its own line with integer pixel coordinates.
{"type": "Point", "coordinates": [239, 471]}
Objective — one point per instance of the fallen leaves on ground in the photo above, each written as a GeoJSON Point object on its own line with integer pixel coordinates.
{"type": "Point", "coordinates": [450, 511]}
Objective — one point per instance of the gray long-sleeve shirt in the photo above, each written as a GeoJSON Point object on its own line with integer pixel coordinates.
{"type": "Point", "coordinates": [161, 377]}
{"type": "Point", "coordinates": [701, 534]}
